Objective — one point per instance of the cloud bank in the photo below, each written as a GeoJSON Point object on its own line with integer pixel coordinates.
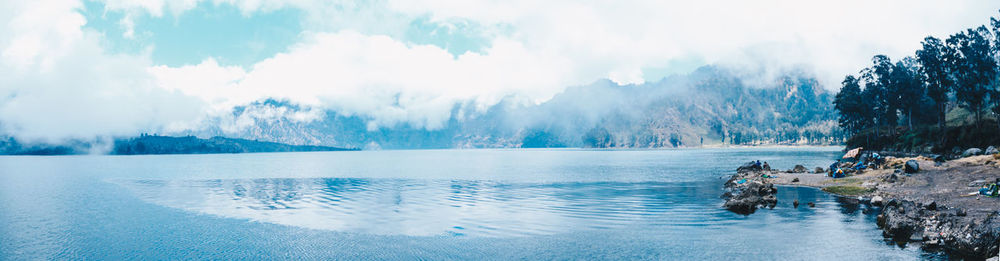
{"type": "Point", "coordinates": [58, 79]}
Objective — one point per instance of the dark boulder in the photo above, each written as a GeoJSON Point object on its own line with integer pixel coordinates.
{"type": "Point", "coordinates": [819, 170]}
{"type": "Point", "coordinates": [749, 167]}
{"type": "Point", "coordinates": [911, 166]}
{"type": "Point", "coordinates": [956, 150]}
{"type": "Point", "coordinates": [799, 169]}
{"type": "Point", "coordinates": [747, 198]}
{"type": "Point", "coordinates": [991, 150]}
{"type": "Point", "coordinates": [900, 221]}
{"type": "Point", "coordinates": [795, 180]}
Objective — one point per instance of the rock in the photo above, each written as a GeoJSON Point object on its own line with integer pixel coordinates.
{"type": "Point", "coordinates": [891, 178]}
{"type": "Point", "coordinates": [991, 150]}
{"type": "Point", "coordinates": [960, 212]}
{"type": "Point", "coordinates": [898, 223]}
{"type": "Point", "coordinates": [972, 152]}
{"type": "Point", "coordinates": [748, 167]}
{"type": "Point", "coordinates": [799, 169]}
{"type": "Point", "coordinates": [795, 203]}
{"type": "Point", "coordinates": [940, 158]}
{"type": "Point", "coordinates": [877, 200]}
{"type": "Point", "coordinates": [819, 170]}
{"type": "Point", "coordinates": [996, 258]}
{"type": "Point", "coordinates": [891, 202]}
{"type": "Point", "coordinates": [930, 205]}
{"type": "Point", "coordinates": [750, 196]}
{"type": "Point", "coordinates": [812, 205]}
{"type": "Point", "coordinates": [795, 180]}
{"type": "Point", "coordinates": [912, 166]}
{"type": "Point", "coordinates": [956, 150]}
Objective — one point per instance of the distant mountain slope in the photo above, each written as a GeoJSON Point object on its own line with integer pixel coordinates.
{"type": "Point", "coordinates": [709, 106]}
{"type": "Point", "coordinates": [152, 144]}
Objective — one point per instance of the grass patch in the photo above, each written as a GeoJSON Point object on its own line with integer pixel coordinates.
{"type": "Point", "coordinates": [847, 190]}
{"type": "Point", "coordinates": [844, 181]}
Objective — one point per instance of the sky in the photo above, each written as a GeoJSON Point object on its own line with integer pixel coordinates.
{"type": "Point", "coordinates": [73, 69]}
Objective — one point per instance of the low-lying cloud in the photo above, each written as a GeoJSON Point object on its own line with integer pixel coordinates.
{"type": "Point", "coordinates": [58, 80]}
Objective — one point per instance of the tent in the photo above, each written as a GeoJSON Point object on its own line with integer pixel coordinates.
{"type": "Point", "coordinates": [852, 153]}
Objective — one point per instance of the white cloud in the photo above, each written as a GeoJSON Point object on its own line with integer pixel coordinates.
{"type": "Point", "coordinates": [616, 39]}
{"type": "Point", "coordinates": [57, 81]}
{"type": "Point", "coordinates": [378, 77]}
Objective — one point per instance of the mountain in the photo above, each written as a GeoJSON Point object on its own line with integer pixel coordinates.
{"type": "Point", "coordinates": [710, 106]}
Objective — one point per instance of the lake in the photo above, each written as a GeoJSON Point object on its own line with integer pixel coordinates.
{"type": "Point", "coordinates": [423, 204]}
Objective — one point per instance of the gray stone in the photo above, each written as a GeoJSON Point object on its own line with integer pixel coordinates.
{"type": "Point", "coordinates": [877, 200]}
{"type": "Point", "coordinates": [930, 205]}
{"type": "Point", "coordinates": [991, 150]}
{"type": "Point", "coordinates": [972, 152]}
{"type": "Point", "coordinates": [819, 170]}
{"type": "Point", "coordinates": [799, 169]}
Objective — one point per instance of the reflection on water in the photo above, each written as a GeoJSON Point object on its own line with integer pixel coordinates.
{"type": "Point", "coordinates": [431, 207]}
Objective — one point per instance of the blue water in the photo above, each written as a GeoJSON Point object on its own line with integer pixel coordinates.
{"type": "Point", "coordinates": [428, 204]}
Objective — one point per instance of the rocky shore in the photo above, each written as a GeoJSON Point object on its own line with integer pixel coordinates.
{"type": "Point", "coordinates": [919, 199]}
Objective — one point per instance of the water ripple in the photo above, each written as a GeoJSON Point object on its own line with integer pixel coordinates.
{"type": "Point", "coordinates": [437, 207]}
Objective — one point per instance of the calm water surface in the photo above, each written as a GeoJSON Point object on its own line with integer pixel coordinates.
{"type": "Point", "coordinates": [436, 204]}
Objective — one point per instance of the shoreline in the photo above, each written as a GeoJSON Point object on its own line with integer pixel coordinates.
{"type": "Point", "coordinates": [931, 206]}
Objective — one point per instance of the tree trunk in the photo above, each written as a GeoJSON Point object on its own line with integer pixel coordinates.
{"type": "Point", "coordinates": [942, 125]}
{"type": "Point", "coordinates": [979, 118]}
{"type": "Point", "coordinates": [909, 119]}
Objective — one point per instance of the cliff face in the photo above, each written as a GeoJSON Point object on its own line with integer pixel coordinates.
{"type": "Point", "coordinates": [708, 106]}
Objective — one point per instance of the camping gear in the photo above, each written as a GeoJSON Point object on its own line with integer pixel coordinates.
{"type": "Point", "coordinates": [852, 153]}
{"type": "Point", "coordinates": [838, 174]}
{"type": "Point", "coordinates": [990, 190]}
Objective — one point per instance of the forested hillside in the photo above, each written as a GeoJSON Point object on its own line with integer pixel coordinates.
{"type": "Point", "coordinates": [944, 96]}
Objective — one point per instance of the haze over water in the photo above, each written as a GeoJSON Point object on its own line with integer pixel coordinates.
{"type": "Point", "coordinates": [437, 204]}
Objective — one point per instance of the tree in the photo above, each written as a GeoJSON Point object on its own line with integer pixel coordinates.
{"type": "Point", "coordinates": [973, 68]}
{"type": "Point", "coordinates": [995, 52]}
{"type": "Point", "coordinates": [937, 77]}
{"type": "Point", "coordinates": [876, 92]}
{"type": "Point", "coordinates": [907, 89]}
{"type": "Point", "coordinates": [848, 102]}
